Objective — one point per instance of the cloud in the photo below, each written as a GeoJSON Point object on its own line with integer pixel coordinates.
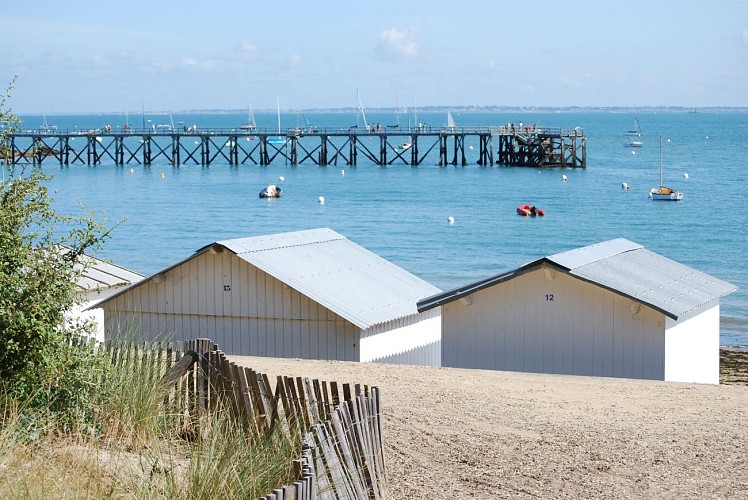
{"type": "Point", "coordinates": [126, 62]}
{"type": "Point", "coordinates": [161, 67]}
{"type": "Point", "coordinates": [745, 36]}
{"type": "Point", "coordinates": [243, 51]}
{"type": "Point", "coordinates": [248, 48]}
{"type": "Point", "coordinates": [99, 60]}
{"type": "Point", "coordinates": [570, 81]}
{"type": "Point", "coordinates": [295, 60]}
{"type": "Point", "coordinates": [398, 44]}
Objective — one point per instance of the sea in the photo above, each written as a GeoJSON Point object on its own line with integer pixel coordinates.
{"type": "Point", "coordinates": [449, 225]}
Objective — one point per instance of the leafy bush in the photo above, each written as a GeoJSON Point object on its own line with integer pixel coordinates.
{"type": "Point", "coordinates": [40, 261]}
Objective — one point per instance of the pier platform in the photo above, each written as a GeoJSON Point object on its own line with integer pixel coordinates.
{"type": "Point", "coordinates": [460, 146]}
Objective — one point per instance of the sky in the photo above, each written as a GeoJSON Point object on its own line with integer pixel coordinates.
{"type": "Point", "coordinates": [90, 56]}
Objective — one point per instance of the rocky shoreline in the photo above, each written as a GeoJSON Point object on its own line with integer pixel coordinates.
{"type": "Point", "coordinates": [733, 365]}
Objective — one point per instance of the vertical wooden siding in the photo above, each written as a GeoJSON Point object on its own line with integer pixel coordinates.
{"type": "Point", "coordinates": [549, 322]}
{"type": "Point", "coordinates": [244, 309]}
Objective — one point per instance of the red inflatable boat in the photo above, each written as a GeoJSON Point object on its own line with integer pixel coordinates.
{"type": "Point", "coordinates": [530, 210]}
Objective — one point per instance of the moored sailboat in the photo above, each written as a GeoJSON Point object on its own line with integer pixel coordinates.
{"type": "Point", "coordinates": [636, 131]}
{"type": "Point", "coordinates": [250, 124]}
{"type": "Point", "coordinates": [45, 127]}
{"type": "Point", "coordinates": [664, 193]}
{"type": "Point", "coordinates": [450, 121]}
{"type": "Point", "coordinates": [634, 136]}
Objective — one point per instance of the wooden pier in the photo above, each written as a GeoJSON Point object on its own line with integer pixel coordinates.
{"type": "Point", "coordinates": [462, 146]}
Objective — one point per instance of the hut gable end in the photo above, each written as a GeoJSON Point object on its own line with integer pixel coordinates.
{"type": "Point", "coordinates": [308, 294]}
{"type": "Point", "coordinates": [613, 309]}
{"type": "Point", "coordinates": [553, 322]}
{"type": "Point", "coordinates": [220, 285]}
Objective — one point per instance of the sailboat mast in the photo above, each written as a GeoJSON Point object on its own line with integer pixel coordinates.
{"type": "Point", "coordinates": [279, 116]}
{"type": "Point", "coordinates": [661, 183]}
{"type": "Point", "coordinates": [397, 110]}
{"type": "Point", "coordinates": [251, 124]}
{"type": "Point", "coordinates": [361, 107]}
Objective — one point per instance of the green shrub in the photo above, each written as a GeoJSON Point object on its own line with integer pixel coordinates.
{"type": "Point", "coordinates": [41, 357]}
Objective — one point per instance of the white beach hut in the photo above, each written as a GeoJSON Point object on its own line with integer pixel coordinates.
{"type": "Point", "coordinates": [98, 281]}
{"type": "Point", "coordinates": [613, 309]}
{"type": "Point", "coordinates": [307, 294]}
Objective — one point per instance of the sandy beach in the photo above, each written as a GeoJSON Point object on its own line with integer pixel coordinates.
{"type": "Point", "coordinates": [454, 433]}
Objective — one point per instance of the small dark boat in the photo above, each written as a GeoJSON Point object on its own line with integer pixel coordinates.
{"type": "Point", "coordinates": [271, 191]}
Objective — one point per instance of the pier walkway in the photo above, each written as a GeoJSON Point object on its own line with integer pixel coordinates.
{"type": "Point", "coordinates": [485, 146]}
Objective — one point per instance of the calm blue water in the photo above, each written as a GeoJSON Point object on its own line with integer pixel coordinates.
{"type": "Point", "coordinates": [401, 212]}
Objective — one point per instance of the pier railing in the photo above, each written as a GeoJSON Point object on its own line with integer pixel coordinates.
{"type": "Point", "coordinates": [295, 132]}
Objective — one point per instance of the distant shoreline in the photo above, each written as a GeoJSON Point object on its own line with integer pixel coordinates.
{"type": "Point", "coordinates": [439, 109]}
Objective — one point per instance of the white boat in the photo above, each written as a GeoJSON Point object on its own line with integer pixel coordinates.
{"type": "Point", "coordinates": [636, 131]}
{"type": "Point", "coordinates": [271, 191]}
{"type": "Point", "coordinates": [450, 121]}
{"type": "Point", "coordinates": [45, 127]}
{"type": "Point", "coordinates": [633, 135]}
{"type": "Point", "coordinates": [164, 127]}
{"type": "Point", "coordinates": [250, 125]}
{"type": "Point", "coordinates": [664, 193]}
{"type": "Point", "coordinates": [405, 145]}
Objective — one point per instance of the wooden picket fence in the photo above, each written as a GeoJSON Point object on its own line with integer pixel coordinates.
{"type": "Point", "coordinates": [340, 425]}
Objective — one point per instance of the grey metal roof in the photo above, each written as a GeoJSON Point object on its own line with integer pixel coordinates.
{"type": "Point", "coordinates": [668, 286]}
{"type": "Point", "coordinates": [593, 253]}
{"type": "Point", "coordinates": [621, 266]}
{"type": "Point", "coordinates": [98, 274]}
{"type": "Point", "coordinates": [102, 275]}
{"type": "Point", "coordinates": [346, 278]}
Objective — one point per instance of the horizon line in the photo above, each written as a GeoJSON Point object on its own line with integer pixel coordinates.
{"type": "Point", "coordinates": [403, 109]}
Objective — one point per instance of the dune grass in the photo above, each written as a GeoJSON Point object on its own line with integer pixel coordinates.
{"type": "Point", "coordinates": [137, 443]}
